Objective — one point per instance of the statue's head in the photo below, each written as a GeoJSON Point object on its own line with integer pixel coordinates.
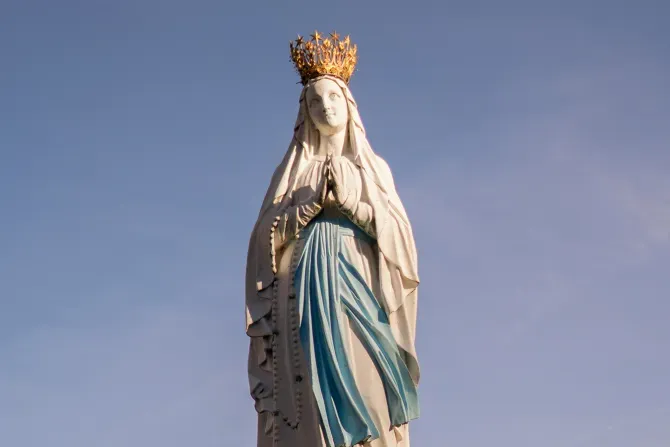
{"type": "Point", "coordinates": [327, 106]}
{"type": "Point", "coordinates": [325, 64]}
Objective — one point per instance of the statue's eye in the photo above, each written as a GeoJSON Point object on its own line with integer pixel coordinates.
{"type": "Point", "coordinates": [334, 96]}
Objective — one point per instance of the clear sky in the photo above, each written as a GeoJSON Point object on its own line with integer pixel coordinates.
{"type": "Point", "coordinates": [529, 140]}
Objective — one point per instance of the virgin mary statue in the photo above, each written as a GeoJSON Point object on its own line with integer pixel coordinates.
{"type": "Point", "coordinates": [331, 282]}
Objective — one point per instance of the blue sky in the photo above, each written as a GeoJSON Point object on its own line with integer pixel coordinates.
{"type": "Point", "coordinates": [529, 140]}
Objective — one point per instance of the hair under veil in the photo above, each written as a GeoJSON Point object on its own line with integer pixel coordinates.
{"type": "Point", "coordinates": [397, 255]}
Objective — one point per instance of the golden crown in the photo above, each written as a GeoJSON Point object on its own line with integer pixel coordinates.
{"type": "Point", "coordinates": [324, 55]}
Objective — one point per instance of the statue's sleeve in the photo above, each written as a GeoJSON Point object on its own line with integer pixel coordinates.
{"type": "Point", "coordinates": [362, 214]}
{"type": "Point", "coordinates": [363, 203]}
{"type": "Point", "coordinates": [290, 221]}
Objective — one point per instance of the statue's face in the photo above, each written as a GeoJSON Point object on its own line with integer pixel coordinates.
{"type": "Point", "coordinates": [327, 106]}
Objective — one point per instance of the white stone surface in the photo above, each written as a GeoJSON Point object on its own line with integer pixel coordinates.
{"type": "Point", "coordinates": [329, 167]}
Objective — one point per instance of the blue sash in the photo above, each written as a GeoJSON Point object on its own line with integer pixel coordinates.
{"type": "Point", "coordinates": [328, 287]}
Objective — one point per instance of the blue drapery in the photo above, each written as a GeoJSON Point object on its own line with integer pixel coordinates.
{"type": "Point", "coordinates": [329, 289]}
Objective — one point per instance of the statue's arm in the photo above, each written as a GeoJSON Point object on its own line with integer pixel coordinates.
{"type": "Point", "coordinates": [368, 212]}
{"type": "Point", "coordinates": [348, 198]}
{"type": "Point", "coordinates": [360, 213]}
{"type": "Point", "coordinates": [289, 222]}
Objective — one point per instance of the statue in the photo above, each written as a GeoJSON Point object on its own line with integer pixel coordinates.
{"type": "Point", "coordinates": [331, 282]}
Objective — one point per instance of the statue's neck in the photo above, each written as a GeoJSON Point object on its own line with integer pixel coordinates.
{"type": "Point", "coordinates": [333, 145]}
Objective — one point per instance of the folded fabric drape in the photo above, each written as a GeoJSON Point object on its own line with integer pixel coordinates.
{"type": "Point", "coordinates": [330, 289]}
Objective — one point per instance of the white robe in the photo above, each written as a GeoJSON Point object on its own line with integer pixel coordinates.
{"type": "Point", "coordinates": [364, 370]}
{"type": "Point", "coordinates": [389, 267]}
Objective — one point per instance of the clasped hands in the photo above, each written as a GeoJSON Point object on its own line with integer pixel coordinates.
{"type": "Point", "coordinates": [332, 179]}
{"type": "Point", "coordinates": [290, 221]}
